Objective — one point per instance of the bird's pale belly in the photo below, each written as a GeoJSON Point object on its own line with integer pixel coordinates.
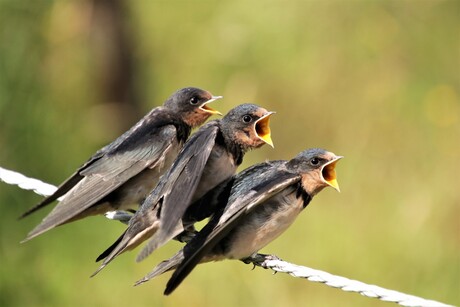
{"type": "Point", "coordinates": [137, 188]}
{"type": "Point", "coordinates": [220, 167]}
{"type": "Point", "coordinates": [263, 225]}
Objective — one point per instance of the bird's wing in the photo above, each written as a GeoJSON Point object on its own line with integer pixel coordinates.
{"type": "Point", "coordinates": [177, 186]}
{"type": "Point", "coordinates": [109, 172]}
{"type": "Point", "coordinates": [141, 132]}
{"type": "Point", "coordinates": [209, 203]}
{"type": "Point", "coordinates": [202, 208]}
{"type": "Point", "coordinates": [254, 187]}
{"type": "Point", "coordinates": [65, 187]}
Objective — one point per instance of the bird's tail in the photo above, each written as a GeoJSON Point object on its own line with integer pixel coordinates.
{"type": "Point", "coordinates": [162, 267]}
{"type": "Point", "coordinates": [159, 239]}
{"type": "Point", "coordinates": [110, 253]}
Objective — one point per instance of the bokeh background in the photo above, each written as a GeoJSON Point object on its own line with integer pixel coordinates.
{"type": "Point", "coordinates": [375, 81]}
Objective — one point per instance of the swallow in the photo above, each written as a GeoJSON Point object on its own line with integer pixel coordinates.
{"type": "Point", "coordinates": [122, 173]}
{"type": "Point", "coordinates": [257, 206]}
{"type": "Point", "coordinates": [210, 157]}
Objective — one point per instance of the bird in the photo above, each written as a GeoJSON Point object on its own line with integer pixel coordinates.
{"type": "Point", "coordinates": [122, 173]}
{"type": "Point", "coordinates": [210, 157]}
{"type": "Point", "coordinates": [254, 208]}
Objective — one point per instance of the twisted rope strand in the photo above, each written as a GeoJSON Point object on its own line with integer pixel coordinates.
{"type": "Point", "coordinates": [265, 261]}
{"type": "Point", "coordinates": [25, 183]}
{"type": "Point", "coordinates": [345, 284]}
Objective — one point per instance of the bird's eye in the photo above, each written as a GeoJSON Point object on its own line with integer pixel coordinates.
{"type": "Point", "coordinates": [247, 118]}
{"type": "Point", "coordinates": [194, 100]}
{"type": "Point", "coordinates": [314, 161]}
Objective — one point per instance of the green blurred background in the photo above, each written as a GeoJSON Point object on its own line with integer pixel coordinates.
{"type": "Point", "coordinates": [375, 81]}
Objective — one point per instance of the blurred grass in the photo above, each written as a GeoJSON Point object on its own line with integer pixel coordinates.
{"type": "Point", "coordinates": [375, 81]}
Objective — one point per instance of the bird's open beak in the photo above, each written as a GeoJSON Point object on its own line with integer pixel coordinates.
{"type": "Point", "coordinates": [262, 126]}
{"type": "Point", "coordinates": [208, 109]}
{"type": "Point", "coordinates": [329, 174]}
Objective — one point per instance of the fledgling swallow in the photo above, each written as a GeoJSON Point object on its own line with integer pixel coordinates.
{"type": "Point", "coordinates": [122, 173]}
{"type": "Point", "coordinates": [255, 207]}
{"type": "Point", "coordinates": [210, 157]}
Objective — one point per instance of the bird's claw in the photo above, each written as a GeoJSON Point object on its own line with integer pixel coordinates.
{"type": "Point", "coordinates": [186, 235]}
{"type": "Point", "coordinates": [260, 260]}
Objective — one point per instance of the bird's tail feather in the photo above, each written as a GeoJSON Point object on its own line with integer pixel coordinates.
{"type": "Point", "coordinates": [162, 267]}
{"type": "Point", "coordinates": [159, 239]}
{"type": "Point", "coordinates": [114, 250]}
{"type": "Point", "coordinates": [107, 252]}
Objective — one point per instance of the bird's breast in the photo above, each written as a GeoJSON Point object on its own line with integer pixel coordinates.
{"type": "Point", "coordinates": [264, 224]}
{"type": "Point", "coordinates": [134, 191]}
{"type": "Point", "coordinates": [219, 167]}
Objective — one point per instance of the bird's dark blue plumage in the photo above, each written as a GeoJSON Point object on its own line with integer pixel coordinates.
{"type": "Point", "coordinates": [210, 157]}
{"type": "Point", "coordinates": [122, 173]}
{"type": "Point", "coordinates": [263, 202]}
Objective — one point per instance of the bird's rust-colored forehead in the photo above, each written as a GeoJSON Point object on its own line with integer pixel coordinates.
{"type": "Point", "coordinates": [328, 156]}
{"type": "Point", "coordinates": [260, 112]}
{"type": "Point", "coordinates": [205, 94]}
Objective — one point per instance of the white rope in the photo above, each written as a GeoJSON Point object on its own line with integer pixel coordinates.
{"type": "Point", "coordinates": [25, 183]}
{"type": "Point", "coordinates": [276, 265]}
{"type": "Point", "coordinates": [345, 284]}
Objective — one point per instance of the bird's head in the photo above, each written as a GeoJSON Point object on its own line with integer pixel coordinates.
{"type": "Point", "coordinates": [317, 168]}
{"type": "Point", "coordinates": [192, 105]}
{"type": "Point", "coordinates": [248, 125]}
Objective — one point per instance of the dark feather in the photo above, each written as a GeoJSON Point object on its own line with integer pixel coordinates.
{"type": "Point", "coordinates": [66, 186]}
{"type": "Point", "coordinates": [174, 191]}
{"type": "Point", "coordinates": [163, 267]}
{"type": "Point", "coordinates": [207, 205]}
{"type": "Point", "coordinates": [105, 175]}
{"type": "Point", "coordinates": [252, 187]}
{"type": "Point", "coordinates": [177, 186]}
{"type": "Point", "coordinates": [110, 249]}
{"type": "Point", "coordinates": [143, 132]}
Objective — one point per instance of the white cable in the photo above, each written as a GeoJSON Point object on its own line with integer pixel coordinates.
{"type": "Point", "coordinates": [25, 183]}
{"type": "Point", "coordinates": [342, 283]}
{"type": "Point", "coordinates": [334, 281]}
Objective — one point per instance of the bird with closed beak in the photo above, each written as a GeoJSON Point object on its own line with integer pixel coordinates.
{"type": "Point", "coordinates": [210, 157]}
{"type": "Point", "coordinates": [121, 174]}
{"type": "Point", "coordinates": [252, 209]}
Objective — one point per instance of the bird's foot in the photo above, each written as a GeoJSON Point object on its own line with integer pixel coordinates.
{"type": "Point", "coordinates": [260, 260]}
{"type": "Point", "coordinates": [186, 235]}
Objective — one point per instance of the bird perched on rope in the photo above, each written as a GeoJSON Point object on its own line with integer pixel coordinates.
{"type": "Point", "coordinates": [122, 173]}
{"type": "Point", "coordinates": [252, 210]}
{"type": "Point", "coordinates": [210, 157]}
